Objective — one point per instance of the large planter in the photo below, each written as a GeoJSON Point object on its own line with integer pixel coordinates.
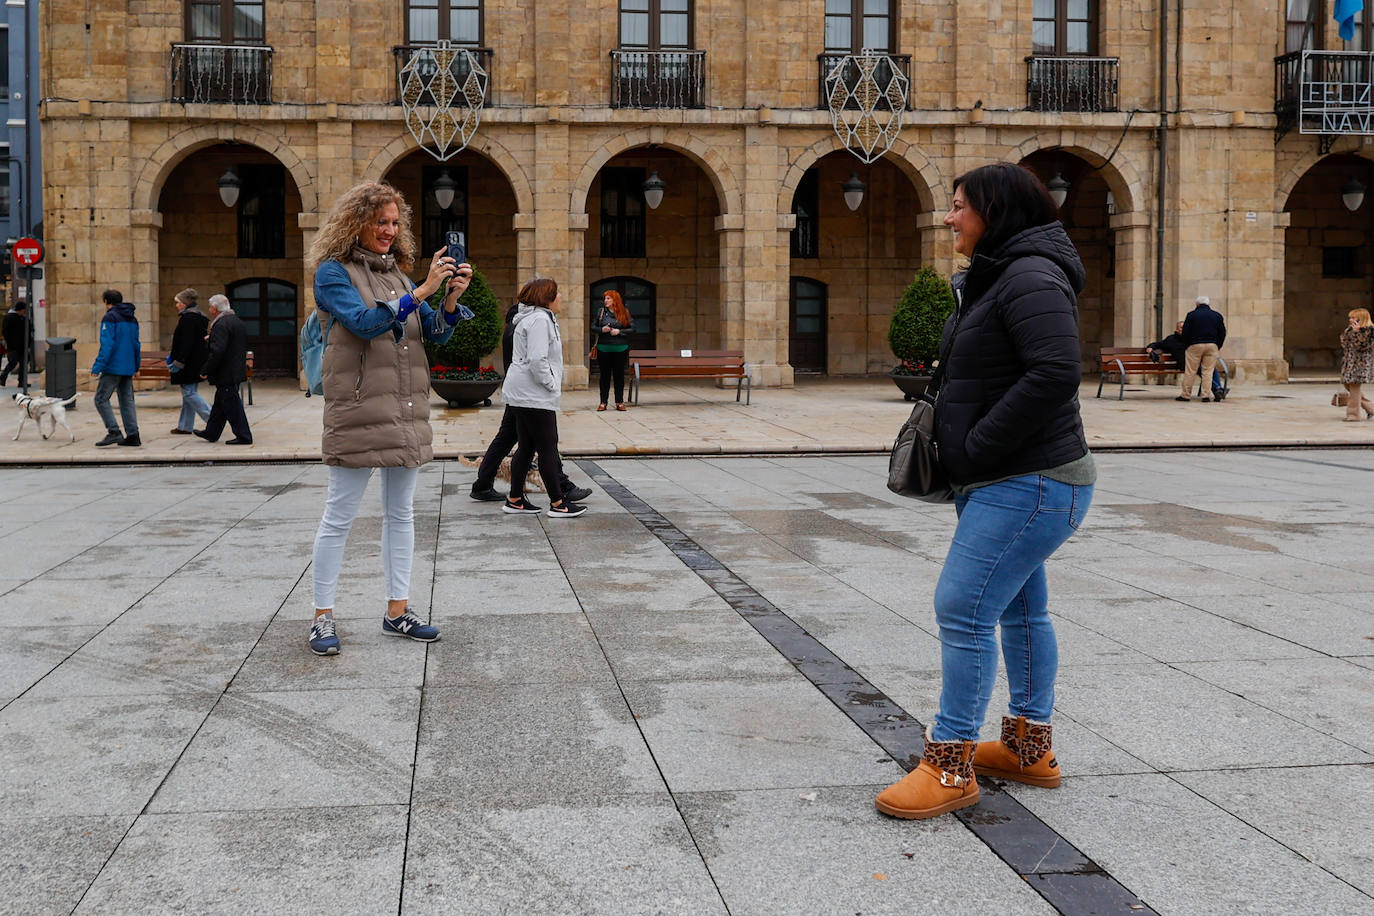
{"type": "Point", "coordinates": [464, 393]}
{"type": "Point", "coordinates": [913, 386]}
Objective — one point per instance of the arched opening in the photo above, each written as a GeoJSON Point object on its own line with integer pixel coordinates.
{"type": "Point", "coordinates": [672, 251]}
{"type": "Point", "coordinates": [267, 307]}
{"type": "Point", "coordinates": [208, 246]}
{"type": "Point", "coordinates": [1328, 252]}
{"type": "Point", "coordinates": [806, 321]}
{"type": "Point", "coordinates": [1086, 214]}
{"type": "Point", "coordinates": [483, 208]}
{"type": "Point", "coordinates": [640, 298]}
{"type": "Point", "coordinates": [854, 263]}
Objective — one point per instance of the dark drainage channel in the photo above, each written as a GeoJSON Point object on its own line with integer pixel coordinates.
{"type": "Point", "coordinates": [1070, 881]}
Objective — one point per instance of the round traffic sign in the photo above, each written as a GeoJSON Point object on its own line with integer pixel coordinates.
{"type": "Point", "coordinates": [28, 252]}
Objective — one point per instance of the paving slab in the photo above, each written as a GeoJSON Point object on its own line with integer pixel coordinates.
{"type": "Point", "coordinates": [50, 861]}
{"type": "Point", "coordinates": [342, 860]}
{"type": "Point", "coordinates": [492, 649]}
{"type": "Point", "coordinates": [612, 854]}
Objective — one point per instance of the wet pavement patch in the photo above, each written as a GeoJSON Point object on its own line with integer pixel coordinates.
{"type": "Point", "coordinates": [1065, 877]}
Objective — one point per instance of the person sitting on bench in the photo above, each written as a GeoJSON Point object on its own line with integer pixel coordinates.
{"type": "Point", "coordinates": [1172, 347]}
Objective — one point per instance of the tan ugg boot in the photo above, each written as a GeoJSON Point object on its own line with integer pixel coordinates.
{"type": "Point", "coordinates": [1022, 755]}
{"type": "Point", "coordinates": [943, 781]}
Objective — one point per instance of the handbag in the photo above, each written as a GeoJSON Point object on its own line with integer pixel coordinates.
{"type": "Point", "coordinates": [914, 469]}
{"type": "Point", "coordinates": [1340, 399]}
{"type": "Point", "coordinates": [592, 354]}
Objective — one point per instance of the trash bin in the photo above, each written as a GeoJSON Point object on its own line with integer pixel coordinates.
{"type": "Point", "coordinates": [61, 367]}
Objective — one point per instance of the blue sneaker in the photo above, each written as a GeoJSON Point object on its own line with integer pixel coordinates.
{"type": "Point", "coordinates": [410, 626]}
{"type": "Point", "coordinates": [323, 638]}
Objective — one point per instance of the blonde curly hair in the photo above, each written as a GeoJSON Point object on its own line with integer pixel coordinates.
{"type": "Point", "coordinates": [354, 209]}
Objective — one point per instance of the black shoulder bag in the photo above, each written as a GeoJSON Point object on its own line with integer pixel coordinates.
{"type": "Point", "coordinates": [914, 468]}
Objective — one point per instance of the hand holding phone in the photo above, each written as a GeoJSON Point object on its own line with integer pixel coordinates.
{"type": "Point", "coordinates": [457, 247]}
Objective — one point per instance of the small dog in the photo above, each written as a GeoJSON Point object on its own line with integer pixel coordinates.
{"type": "Point", "coordinates": [53, 410]}
{"type": "Point", "coordinates": [532, 480]}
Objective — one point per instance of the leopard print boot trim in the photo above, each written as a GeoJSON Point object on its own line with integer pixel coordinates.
{"type": "Point", "coordinates": [953, 757]}
{"type": "Point", "coordinates": [1028, 739]}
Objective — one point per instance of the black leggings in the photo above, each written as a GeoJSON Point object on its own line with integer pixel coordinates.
{"type": "Point", "coordinates": [613, 363]}
{"type": "Point", "coordinates": [538, 431]}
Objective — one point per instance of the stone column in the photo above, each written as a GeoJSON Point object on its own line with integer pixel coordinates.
{"type": "Point", "coordinates": [754, 263]}
{"type": "Point", "coordinates": [576, 372]}
{"type": "Point", "coordinates": [557, 242]}
{"type": "Point", "coordinates": [1133, 319]}
{"type": "Point", "coordinates": [937, 242]}
{"type": "Point", "coordinates": [1279, 279]}
{"type": "Point", "coordinates": [142, 253]}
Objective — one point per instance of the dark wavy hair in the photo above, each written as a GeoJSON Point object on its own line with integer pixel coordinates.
{"type": "Point", "coordinates": [1009, 198]}
{"type": "Point", "coordinates": [540, 292]}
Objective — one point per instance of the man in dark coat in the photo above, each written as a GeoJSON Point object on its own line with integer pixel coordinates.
{"type": "Point", "coordinates": [226, 367]}
{"type": "Point", "coordinates": [186, 358]}
{"type": "Point", "coordinates": [1204, 331]}
{"type": "Point", "coordinates": [17, 330]}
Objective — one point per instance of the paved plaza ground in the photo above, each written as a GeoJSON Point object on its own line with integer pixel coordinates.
{"type": "Point", "coordinates": [682, 702]}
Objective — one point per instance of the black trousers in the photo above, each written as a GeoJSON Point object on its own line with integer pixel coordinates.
{"type": "Point", "coordinates": [538, 432]}
{"type": "Point", "coordinates": [227, 407]}
{"type": "Point", "coordinates": [613, 364]}
{"type": "Point", "coordinates": [17, 362]}
{"type": "Point", "coordinates": [500, 447]}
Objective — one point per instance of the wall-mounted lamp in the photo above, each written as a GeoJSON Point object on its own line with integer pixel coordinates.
{"type": "Point", "coordinates": [1059, 189]}
{"type": "Point", "coordinates": [229, 186]}
{"type": "Point", "coordinates": [444, 189]}
{"type": "Point", "coordinates": [653, 190]}
{"type": "Point", "coordinates": [853, 191]}
{"type": "Point", "coordinates": [1352, 194]}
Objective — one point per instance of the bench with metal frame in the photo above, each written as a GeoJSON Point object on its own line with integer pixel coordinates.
{"type": "Point", "coordinates": [724, 364]}
{"type": "Point", "coordinates": [1124, 361]}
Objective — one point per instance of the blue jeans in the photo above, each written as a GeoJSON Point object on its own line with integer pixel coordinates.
{"type": "Point", "coordinates": [192, 406]}
{"type": "Point", "coordinates": [108, 385]}
{"type": "Point", "coordinates": [995, 574]}
{"type": "Point", "coordinates": [346, 487]}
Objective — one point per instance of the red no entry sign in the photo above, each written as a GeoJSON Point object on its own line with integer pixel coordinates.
{"type": "Point", "coordinates": [28, 252]}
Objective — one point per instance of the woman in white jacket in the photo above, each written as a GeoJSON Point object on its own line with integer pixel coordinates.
{"type": "Point", "coordinates": [532, 389]}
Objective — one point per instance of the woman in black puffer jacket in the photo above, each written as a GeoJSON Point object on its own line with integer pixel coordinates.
{"type": "Point", "coordinates": [1010, 437]}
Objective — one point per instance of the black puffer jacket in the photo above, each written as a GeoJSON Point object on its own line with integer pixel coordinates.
{"type": "Point", "coordinates": [1008, 404]}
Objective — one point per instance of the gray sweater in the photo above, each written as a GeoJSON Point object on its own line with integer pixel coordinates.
{"type": "Point", "coordinates": [535, 376]}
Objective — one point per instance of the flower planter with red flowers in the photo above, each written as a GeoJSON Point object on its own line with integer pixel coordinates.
{"type": "Point", "coordinates": [464, 387]}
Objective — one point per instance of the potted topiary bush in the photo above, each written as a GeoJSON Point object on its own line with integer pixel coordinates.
{"type": "Point", "coordinates": [455, 370]}
{"type": "Point", "coordinates": [914, 334]}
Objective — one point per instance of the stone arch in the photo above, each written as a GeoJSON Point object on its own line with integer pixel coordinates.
{"type": "Point", "coordinates": [924, 174]}
{"type": "Point", "coordinates": [706, 157]}
{"type": "Point", "coordinates": [176, 149]}
{"type": "Point", "coordinates": [1121, 176]}
{"type": "Point", "coordinates": [482, 144]}
{"type": "Point", "coordinates": [1347, 146]}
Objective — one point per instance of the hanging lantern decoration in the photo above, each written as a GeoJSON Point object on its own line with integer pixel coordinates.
{"type": "Point", "coordinates": [866, 94]}
{"type": "Point", "coordinates": [443, 90]}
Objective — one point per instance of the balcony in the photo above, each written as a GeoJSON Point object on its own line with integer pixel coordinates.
{"type": "Point", "coordinates": [1325, 92]}
{"type": "Point", "coordinates": [238, 74]}
{"type": "Point", "coordinates": [852, 73]}
{"type": "Point", "coordinates": [458, 68]}
{"type": "Point", "coordinates": [658, 79]}
{"type": "Point", "coordinates": [1072, 83]}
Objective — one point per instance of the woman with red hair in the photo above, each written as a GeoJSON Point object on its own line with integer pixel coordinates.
{"type": "Point", "coordinates": [613, 326]}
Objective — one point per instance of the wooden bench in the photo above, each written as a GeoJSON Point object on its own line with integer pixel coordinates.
{"type": "Point", "coordinates": [690, 364]}
{"type": "Point", "coordinates": [1124, 361]}
{"type": "Point", "coordinates": [153, 367]}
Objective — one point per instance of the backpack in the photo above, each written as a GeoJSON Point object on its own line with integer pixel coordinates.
{"type": "Point", "coordinates": [313, 342]}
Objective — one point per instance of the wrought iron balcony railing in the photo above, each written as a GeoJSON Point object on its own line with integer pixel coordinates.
{"type": "Point", "coordinates": [658, 79]}
{"type": "Point", "coordinates": [458, 69]}
{"type": "Point", "coordinates": [1072, 83]}
{"type": "Point", "coordinates": [1325, 92]}
{"type": "Point", "coordinates": [882, 76]}
{"type": "Point", "coordinates": [240, 74]}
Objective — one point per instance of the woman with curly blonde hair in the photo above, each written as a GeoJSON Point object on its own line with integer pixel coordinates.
{"type": "Point", "coordinates": [376, 389]}
{"type": "Point", "coordinates": [1357, 363]}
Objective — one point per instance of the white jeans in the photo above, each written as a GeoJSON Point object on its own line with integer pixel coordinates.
{"type": "Point", "coordinates": [346, 486]}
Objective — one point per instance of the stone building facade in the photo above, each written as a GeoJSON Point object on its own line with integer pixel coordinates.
{"type": "Point", "coordinates": [753, 246]}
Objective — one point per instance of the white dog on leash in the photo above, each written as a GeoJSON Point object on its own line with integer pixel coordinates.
{"type": "Point", "coordinates": [53, 410]}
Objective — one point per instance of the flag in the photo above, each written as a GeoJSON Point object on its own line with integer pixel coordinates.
{"type": "Point", "coordinates": [1345, 13]}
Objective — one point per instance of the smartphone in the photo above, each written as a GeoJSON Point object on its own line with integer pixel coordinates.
{"type": "Point", "coordinates": [457, 246]}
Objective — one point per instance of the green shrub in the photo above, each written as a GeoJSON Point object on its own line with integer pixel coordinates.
{"type": "Point", "coordinates": [474, 338]}
{"type": "Point", "coordinates": [919, 319]}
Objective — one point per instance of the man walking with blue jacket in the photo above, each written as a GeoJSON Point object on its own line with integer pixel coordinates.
{"type": "Point", "coordinates": [1204, 331]}
{"type": "Point", "coordinates": [116, 364]}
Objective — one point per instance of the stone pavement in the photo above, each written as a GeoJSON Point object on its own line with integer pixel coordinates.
{"type": "Point", "coordinates": [818, 415]}
{"type": "Point", "coordinates": [682, 702]}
